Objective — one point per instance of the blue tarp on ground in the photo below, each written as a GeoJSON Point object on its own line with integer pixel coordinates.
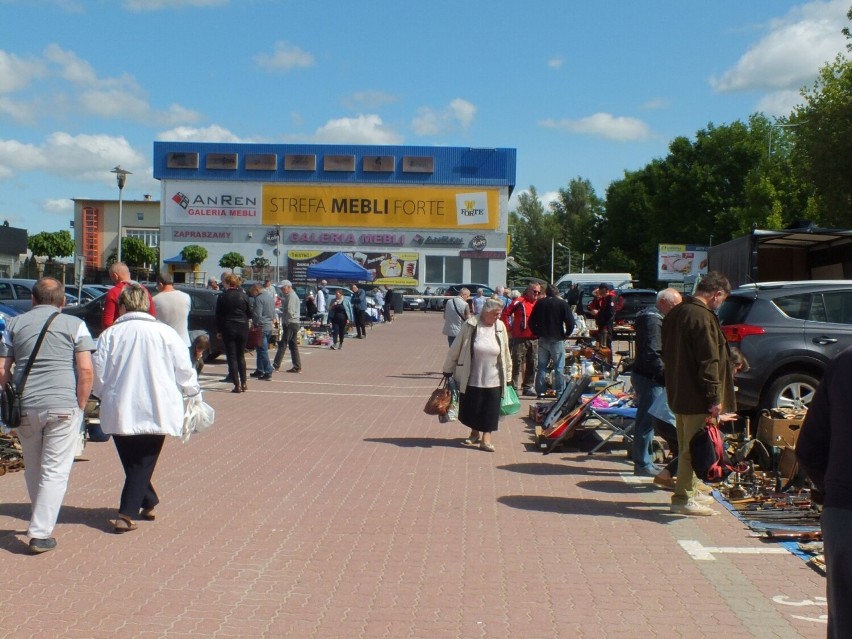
{"type": "Point", "coordinates": [339, 267]}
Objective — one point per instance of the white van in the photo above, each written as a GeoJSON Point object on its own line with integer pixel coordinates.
{"type": "Point", "coordinates": [590, 281]}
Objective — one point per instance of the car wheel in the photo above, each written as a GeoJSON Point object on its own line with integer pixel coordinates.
{"type": "Point", "coordinates": [794, 390]}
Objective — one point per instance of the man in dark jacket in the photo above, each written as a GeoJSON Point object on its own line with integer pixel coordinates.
{"type": "Point", "coordinates": [551, 321]}
{"type": "Point", "coordinates": [647, 377]}
{"type": "Point", "coordinates": [603, 310]}
{"type": "Point", "coordinates": [699, 378]}
{"type": "Point", "coordinates": [823, 449]}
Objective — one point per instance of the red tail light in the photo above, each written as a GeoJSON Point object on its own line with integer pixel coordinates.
{"type": "Point", "coordinates": [736, 332]}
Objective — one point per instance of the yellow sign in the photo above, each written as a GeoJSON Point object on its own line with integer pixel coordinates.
{"type": "Point", "coordinates": [381, 207]}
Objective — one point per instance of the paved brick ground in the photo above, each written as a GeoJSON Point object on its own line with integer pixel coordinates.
{"type": "Point", "coordinates": [327, 505]}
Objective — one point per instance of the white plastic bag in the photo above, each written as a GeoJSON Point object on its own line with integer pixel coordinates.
{"type": "Point", "coordinates": [197, 417]}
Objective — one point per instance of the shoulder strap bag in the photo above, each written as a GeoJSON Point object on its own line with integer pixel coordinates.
{"type": "Point", "coordinates": [10, 396]}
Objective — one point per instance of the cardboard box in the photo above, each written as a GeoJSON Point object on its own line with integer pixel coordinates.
{"type": "Point", "coordinates": [772, 431]}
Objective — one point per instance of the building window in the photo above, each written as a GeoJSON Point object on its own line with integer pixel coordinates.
{"type": "Point", "coordinates": [151, 237]}
{"type": "Point", "coordinates": [479, 271]}
{"type": "Point", "coordinates": [443, 269]}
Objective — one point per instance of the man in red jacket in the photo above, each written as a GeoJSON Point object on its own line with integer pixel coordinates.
{"type": "Point", "coordinates": [120, 276]}
{"type": "Point", "coordinates": [523, 343]}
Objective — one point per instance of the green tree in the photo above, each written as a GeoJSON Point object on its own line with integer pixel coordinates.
{"type": "Point", "coordinates": [260, 262]}
{"type": "Point", "coordinates": [575, 213]}
{"type": "Point", "coordinates": [51, 245]}
{"type": "Point", "coordinates": [193, 254]}
{"type": "Point", "coordinates": [822, 128]}
{"type": "Point", "coordinates": [531, 229]}
{"type": "Point", "coordinates": [136, 254]}
{"type": "Point", "coordinates": [232, 260]}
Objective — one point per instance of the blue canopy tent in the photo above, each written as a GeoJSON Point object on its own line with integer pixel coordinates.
{"type": "Point", "coordinates": [339, 267]}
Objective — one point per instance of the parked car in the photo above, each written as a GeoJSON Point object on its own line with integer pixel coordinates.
{"type": "Point", "coordinates": [788, 332]}
{"type": "Point", "coordinates": [202, 315]}
{"type": "Point", "coordinates": [87, 292]}
{"type": "Point", "coordinates": [630, 302]}
{"type": "Point", "coordinates": [18, 293]}
{"type": "Point", "coordinates": [436, 303]}
{"type": "Point", "coordinates": [412, 299]}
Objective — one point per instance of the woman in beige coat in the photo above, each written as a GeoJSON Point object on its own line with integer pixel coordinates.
{"type": "Point", "coordinates": [480, 362]}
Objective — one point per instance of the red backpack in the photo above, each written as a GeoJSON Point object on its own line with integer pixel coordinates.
{"type": "Point", "coordinates": [710, 461]}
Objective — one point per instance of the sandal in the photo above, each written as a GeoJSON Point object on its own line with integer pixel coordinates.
{"type": "Point", "coordinates": [486, 447]}
{"type": "Point", "coordinates": [148, 514]}
{"type": "Point", "coordinates": [123, 524]}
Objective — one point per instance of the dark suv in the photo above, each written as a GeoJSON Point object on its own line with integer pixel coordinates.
{"type": "Point", "coordinates": [629, 302]}
{"type": "Point", "coordinates": [788, 332]}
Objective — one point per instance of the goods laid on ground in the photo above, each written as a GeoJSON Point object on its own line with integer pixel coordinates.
{"type": "Point", "coordinates": [11, 456]}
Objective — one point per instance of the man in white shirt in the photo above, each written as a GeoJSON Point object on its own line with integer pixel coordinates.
{"type": "Point", "coordinates": [479, 301]}
{"type": "Point", "coordinates": [173, 307]}
{"type": "Point", "coordinates": [322, 304]}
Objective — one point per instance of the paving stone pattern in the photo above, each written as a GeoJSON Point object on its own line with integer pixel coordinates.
{"type": "Point", "coordinates": [327, 505]}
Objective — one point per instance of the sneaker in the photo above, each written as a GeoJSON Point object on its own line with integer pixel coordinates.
{"type": "Point", "coordinates": [265, 378]}
{"type": "Point", "coordinates": [701, 498]}
{"type": "Point", "coordinates": [529, 392]}
{"type": "Point", "coordinates": [692, 509]}
{"type": "Point", "coordinates": [256, 374]}
{"type": "Point", "coordinates": [332, 347]}
{"type": "Point", "coordinates": [38, 546]}
{"type": "Point", "coordinates": [294, 370]}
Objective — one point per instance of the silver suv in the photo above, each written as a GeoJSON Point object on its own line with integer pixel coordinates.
{"type": "Point", "coordinates": [788, 332]}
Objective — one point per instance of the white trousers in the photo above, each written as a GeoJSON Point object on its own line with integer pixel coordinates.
{"type": "Point", "coordinates": [49, 439]}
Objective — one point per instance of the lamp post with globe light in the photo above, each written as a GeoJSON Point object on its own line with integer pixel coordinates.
{"type": "Point", "coordinates": [121, 178]}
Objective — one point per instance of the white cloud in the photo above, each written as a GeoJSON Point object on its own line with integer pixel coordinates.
{"type": "Point", "coordinates": [556, 62]}
{"type": "Point", "coordinates": [72, 67]}
{"type": "Point", "coordinates": [157, 5]}
{"type": "Point", "coordinates": [655, 104]}
{"type": "Point", "coordinates": [284, 57]}
{"type": "Point", "coordinates": [20, 112]}
{"type": "Point", "coordinates": [462, 111]}
{"type": "Point", "coordinates": [16, 73]}
{"type": "Point", "coordinates": [792, 51]}
{"type": "Point", "coordinates": [364, 129]}
{"type": "Point", "coordinates": [212, 133]}
{"type": "Point", "coordinates": [429, 121]}
{"type": "Point", "coordinates": [780, 103]}
{"type": "Point", "coordinates": [546, 199]}
{"type": "Point", "coordinates": [58, 206]}
{"type": "Point", "coordinates": [75, 157]}
{"type": "Point", "coordinates": [369, 99]}
{"type": "Point", "coordinates": [603, 125]}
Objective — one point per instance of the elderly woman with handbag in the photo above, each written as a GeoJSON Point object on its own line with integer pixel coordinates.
{"type": "Point", "coordinates": [142, 372]}
{"type": "Point", "coordinates": [480, 362]}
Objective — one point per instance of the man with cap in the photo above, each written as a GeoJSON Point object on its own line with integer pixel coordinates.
{"type": "Point", "coordinates": [290, 312]}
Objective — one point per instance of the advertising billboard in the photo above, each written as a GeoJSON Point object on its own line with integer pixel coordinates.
{"type": "Point", "coordinates": [676, 261]}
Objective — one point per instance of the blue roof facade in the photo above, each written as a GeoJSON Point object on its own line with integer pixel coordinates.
{"type": "Point", "coordinates": [335, 163]}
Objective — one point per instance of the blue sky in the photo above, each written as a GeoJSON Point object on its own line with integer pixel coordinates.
{"type": "Point", "coordinates": [581, 89]}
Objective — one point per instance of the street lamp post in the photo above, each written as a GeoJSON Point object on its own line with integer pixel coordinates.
{"type": "Point", "coordinates": [121, 178]}
{"type": "Point", "coordinates": [567, 248]}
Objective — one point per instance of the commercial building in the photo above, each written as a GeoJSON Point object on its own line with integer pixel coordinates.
{"type": "Point", "coordinates": [96, 228]}
{"type": "Point", "coordinates": [413, 215]}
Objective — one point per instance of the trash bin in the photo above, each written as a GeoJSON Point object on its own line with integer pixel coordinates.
{"type": "Point", "coordinates": [397, 302]}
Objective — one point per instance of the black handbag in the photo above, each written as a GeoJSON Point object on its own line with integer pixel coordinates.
{"type": "Point", "coordinates": [10, 397]}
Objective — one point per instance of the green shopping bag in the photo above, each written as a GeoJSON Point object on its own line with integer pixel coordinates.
{"type": "Point", "coordinates": [510, 404]}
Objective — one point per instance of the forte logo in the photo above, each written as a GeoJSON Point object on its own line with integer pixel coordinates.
{"type": "Point", "coordinates": [471, 208]}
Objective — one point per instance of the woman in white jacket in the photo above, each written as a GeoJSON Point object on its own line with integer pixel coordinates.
{"type": "Point", "coordinates": [142, 372]}
{"type": "Point", "coordinates": [479, 360]}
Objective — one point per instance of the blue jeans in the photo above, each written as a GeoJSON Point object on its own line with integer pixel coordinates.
{"type": "Point", "coordinates": [550, 348]}
{"type": "Point", "coordinates": [264, 364]}
{"type": "Point", "coordinates": [646, 391]}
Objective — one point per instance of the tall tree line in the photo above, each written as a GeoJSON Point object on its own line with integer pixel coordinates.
{"type": "Point", "coordinates": [726, 180]}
